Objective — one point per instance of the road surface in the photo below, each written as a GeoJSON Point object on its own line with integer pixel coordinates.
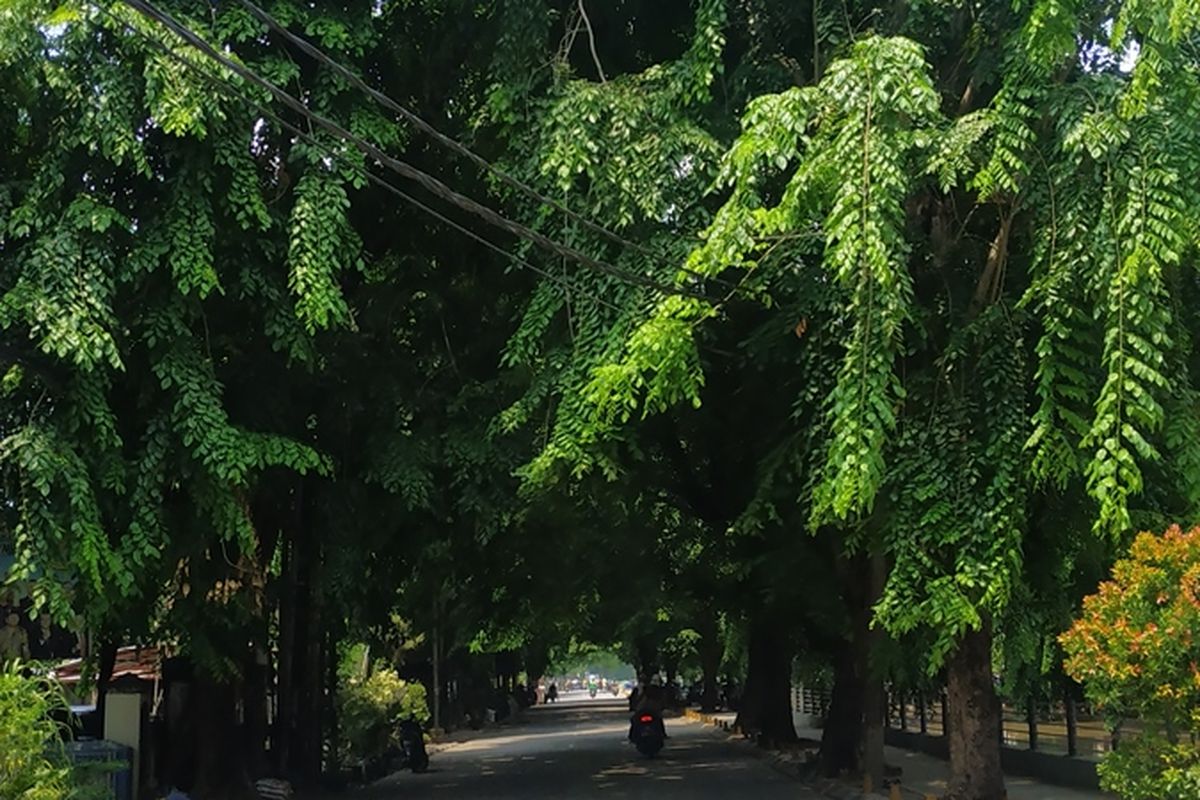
{"type": "Point", "coordinates": [576, 749]}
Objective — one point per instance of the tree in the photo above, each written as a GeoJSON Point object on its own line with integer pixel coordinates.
{"type": "Point", "coordinates": [1135, 649]}
{"type": "Point", "coordinates": [35, 763]}
{"type": "Point", "coordinates": [869, 289]}
{"type": "Point", "coordinates": [985, 224]}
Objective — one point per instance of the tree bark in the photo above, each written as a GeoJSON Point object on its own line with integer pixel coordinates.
{"type": "Point", "coordinates": [312, 693]}
{"type": "Point", "coordinates": [255, 703]}
{"type": "Point", "coordinates": [1072, 721]}
{"type": "Point", "coordinates": [671, 668]}
{"type": "Point", "coordinates": [875, 700]}
{"type": "Point", "coordinates": [975, 772]}
{"type": "Point", "coordinates": [108, 663]}
{"type": "Point", "coordinates": [220, 764]}
{"type": "Point", "coordinates": [710, 663]}
{"type": "Point", "coordinates": [853, 738]}
{"type": "Point", "coordinates": [1031, 722]}
{"type": "Point", "coordinates": [766, 710]}
{"type": "Point", "coordinates": [301, 651]}
{"type": "Point", "coordinates": [646, 651]}
{"type": "Point", "coordinates": [330, 710]}
{"type": "Point", "coordinates": [436, 647]}
{"type": "Point", "coordinates": [283, 740]}
{"type": "Point", "coordinates": [843, 721]}
{"type": "Point", "coordinates": [269, 519]}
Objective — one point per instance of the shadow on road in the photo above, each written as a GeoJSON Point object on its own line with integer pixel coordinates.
{"type": "Point", "coordinates": [578, 749]}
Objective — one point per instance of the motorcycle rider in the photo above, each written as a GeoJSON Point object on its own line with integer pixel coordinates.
{"type": "Point", "coordinates": [652, 699]}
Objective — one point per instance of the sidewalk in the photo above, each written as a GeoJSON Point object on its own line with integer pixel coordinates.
{"type": "Point", "coordinates": [928, 775]}
{"type": "Point", "coordinates": [925, 775]}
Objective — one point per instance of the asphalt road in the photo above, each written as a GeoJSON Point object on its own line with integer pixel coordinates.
{"type": "Point", "coordinates": [577, 749]}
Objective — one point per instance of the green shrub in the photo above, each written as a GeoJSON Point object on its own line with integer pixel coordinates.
{"type": "Point", "coordinates": [371, 708]}
{"type": "Point", "coordinates": [1136, 648]}
{"type": "Point", "coordinates": [33, 764]}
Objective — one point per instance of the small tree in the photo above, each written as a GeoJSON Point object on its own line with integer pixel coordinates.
{"type": "Point", "coordinates": [33, 765]}
{"type": "Point", "coordinates": [1136, 649]}
{"type": "Point", "coordinates": [371, 709]}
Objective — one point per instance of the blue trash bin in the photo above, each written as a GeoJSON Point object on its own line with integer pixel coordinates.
{"type": "Point", "coordinates": [114, 764]}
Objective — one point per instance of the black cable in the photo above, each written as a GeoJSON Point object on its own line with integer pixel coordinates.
{"type": "Point", "coordinates": [433, 185]}
{"type": "Point", "coordinates": [228, 88]}
{"type": "Point", "coordinates": [446, 141]}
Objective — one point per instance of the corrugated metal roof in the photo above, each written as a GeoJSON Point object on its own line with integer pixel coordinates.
{"type": "Point", "coordinates": [137, 662]}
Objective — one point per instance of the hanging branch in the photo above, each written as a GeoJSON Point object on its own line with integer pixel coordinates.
{"type": "Point", "coordinates": [592, 41]}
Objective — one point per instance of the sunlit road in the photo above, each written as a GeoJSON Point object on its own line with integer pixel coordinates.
{"type": "Point", "coordinates": [577, 749]}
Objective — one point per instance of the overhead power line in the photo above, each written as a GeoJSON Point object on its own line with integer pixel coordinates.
{"type": "Point", "coordinates": [433, 185]}
{"type": "Point", "coordinates": [449, 142]}
{"type": "Point", "coordinates": [223, 85]}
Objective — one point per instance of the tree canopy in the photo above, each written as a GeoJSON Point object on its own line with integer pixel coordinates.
{"type": "Point", "coordinates": [531, 321]}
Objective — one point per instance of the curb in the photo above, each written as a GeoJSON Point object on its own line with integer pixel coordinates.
{"type": "Point", "coordinates": [709, 719]}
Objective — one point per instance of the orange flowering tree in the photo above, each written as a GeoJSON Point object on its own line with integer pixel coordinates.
{"type": "Point", "coordinates": [1136, 649]}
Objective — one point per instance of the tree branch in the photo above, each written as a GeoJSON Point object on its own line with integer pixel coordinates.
{"type": "Point", "coordinates": [592, 41]}
{"type": "Point", "coordinates": [988, 287]}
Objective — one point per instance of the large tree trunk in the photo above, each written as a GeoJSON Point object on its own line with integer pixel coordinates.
{"type": "Point", "coordinates": [1072, 722]}
{"type": "Point", "coordinates": [843, 722]}
{"type": "Point", "coordinates": [646, 652]}
{"type": "Point", "coordinates": [330, 705]}
{"type": "Point", "coordinates": [255, 702]}
{"type": "Point", "coordinates": [269, 519]}
{"type": "Point", "coordinates": [853, 738]}
{"type": "Point", "coordinates": [710, 662]}
{"type": "Point", "coordinates": [436, 652]}
{"type": "Point", "coordinates": [307, 755]}
{"type": "Point", "coordinates": [302, 633]}
{"type": "Point", "coordinates": [283, 739]}
{"type": "Point", "coordinates": [671, 668]}
{"type": "Point", "coordinates": [108, 663]}
{"type": "Point", "coordinates": [220, 764]}
{"type": "Point", "coordinates": [178, 703]}
{"type": "Point", "coordinates": [875, 698]}
{"type": "Point", "coordinates": [974, 739]}
{"type": "Point", "coordinates": [766, 709]}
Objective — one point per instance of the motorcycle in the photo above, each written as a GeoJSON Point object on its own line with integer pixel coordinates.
{"type": "Point", "coordinates": [647, 733]}
{"type": "Point", "coordinates": [592, 691]}
{"type": "Point", "coordinates": [412, 747]}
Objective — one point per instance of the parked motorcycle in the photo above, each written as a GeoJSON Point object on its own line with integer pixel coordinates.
{"type": "Point", "coordinates": [647, 732]}
{"type": "Point", "coordinates": [412, 747]}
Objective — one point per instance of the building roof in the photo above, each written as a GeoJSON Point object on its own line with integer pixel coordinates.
{"type": "Point", "coordinates": [136, 662]}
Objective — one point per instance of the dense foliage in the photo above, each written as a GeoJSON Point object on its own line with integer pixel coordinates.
{"type": "Point", "coordinates": [371, 706]}
{"type": "Point", "coordinates": [1136, 649]}
{"type": "Point", "coordinates": [924, 344]}
{"type": "Point", "coordinates": [32, 761]}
